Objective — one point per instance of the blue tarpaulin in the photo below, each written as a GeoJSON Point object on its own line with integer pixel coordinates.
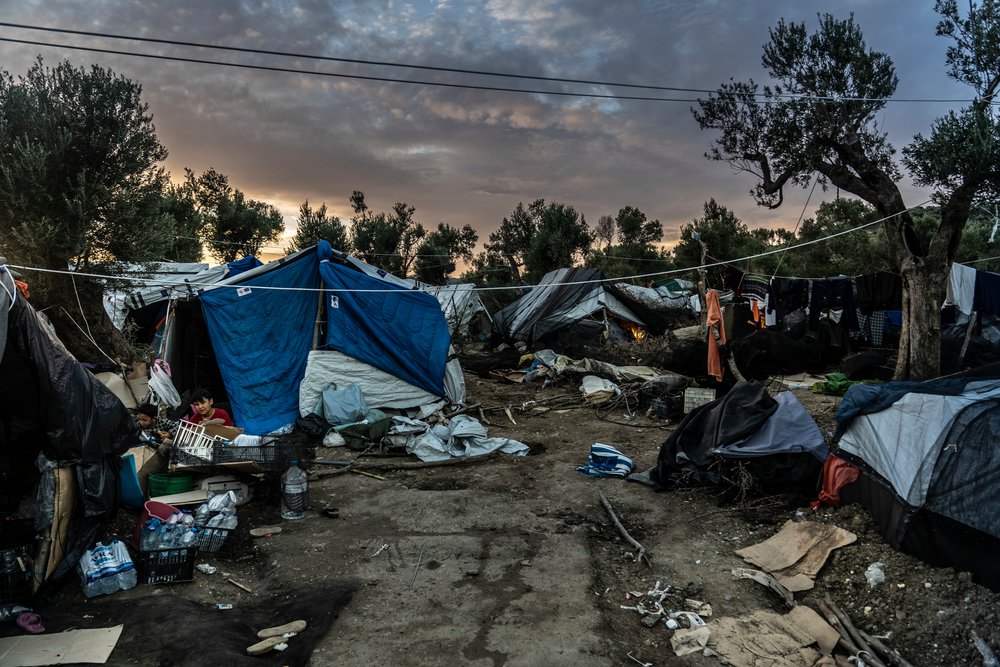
{"type": "Point", "coordinates": [262, 340]}
{"type": "Point", "coordinates": [402, 332]}
{"type": "Point", "coordinates": [243, 265]}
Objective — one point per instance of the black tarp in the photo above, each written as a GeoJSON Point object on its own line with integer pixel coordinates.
{"type": "Point", "coordinates": [51, 405]}
{"type": "Point", "coordinates": [687, 453]}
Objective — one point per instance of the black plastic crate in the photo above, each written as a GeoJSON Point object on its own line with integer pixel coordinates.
{"type": "Point", "coordinates": [15, 587]}
{"type": "Point", "coordinates": [166, 566]}
{"type": "Point", "coordinates": [274, 455]}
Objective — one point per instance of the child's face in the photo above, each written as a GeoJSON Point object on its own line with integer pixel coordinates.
{"type": "Point", "coordinates": [145, 421]}
{"type": "Point", "coordinates": [204, 406]}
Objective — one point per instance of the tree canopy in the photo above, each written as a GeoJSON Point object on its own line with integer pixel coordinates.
{"type": "Point", "coordinates": [818, 118]}
{"type": "Point", "coordinates": [80, 186]}
{"type": "Point", "coordinates": [314, 225]}
{"type": "Point", "coordinates": [234, 226]}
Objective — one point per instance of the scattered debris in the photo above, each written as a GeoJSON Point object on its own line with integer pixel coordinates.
{"type": "Point", "coordinates": [239, 585]}
{"type": "Point", "coordinates": [621, 529]}
{"type": "Point", "coordinates": [379, 550]}
{"type": "Point", "coordinates": [767, 580]}
{"type": "Point", "coordinates": [288, 629]}
{"type": "Point", "coordinates": [416, 568]}
{"type": "Point", "coordinates": [690, 640]}
{"type": "Point", "coordinates": [265, 531]}
{"type": "Point", "coordinates": [797, 552]}
{"type": "Point", "coordinates": [205, 568]}
{"type": "Point", "coordinates": [875, 575]}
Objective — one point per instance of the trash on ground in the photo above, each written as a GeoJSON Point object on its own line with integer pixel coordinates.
{"type": "Point", "coordinates": [875, 574]}
{"type": "Point", "coordinates": [797, 552]}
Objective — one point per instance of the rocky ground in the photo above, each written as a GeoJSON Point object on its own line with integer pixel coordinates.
{"type": "Point", "coordinates": [513, 561]}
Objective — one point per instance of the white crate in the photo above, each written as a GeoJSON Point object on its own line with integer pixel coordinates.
{"type": "Point", "coordinates": [192, 441]}
{"type": "Point", "coordinates": [696, 396]}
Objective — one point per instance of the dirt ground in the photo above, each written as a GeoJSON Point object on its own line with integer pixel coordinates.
{"type": "Point", "coordinates": [513, 561]}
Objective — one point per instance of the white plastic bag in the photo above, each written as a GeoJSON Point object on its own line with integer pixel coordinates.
{"type": "Point", "coordinates": [161, 385]}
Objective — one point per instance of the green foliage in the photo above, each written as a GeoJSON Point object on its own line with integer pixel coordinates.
{"type": "Point", "coordinates": [636, 233]}
{"type": "Point", "coordinates": [724, 236]}
{"type": "Point", "coordinates": [315, 225]}
{"type": "Point", "coordinates": [781, 138]}
{"type": "Point", "coordinates": [386, 240]}
{"type": "Point", "coordinates": [179, 203]}
{"type": "Point", "coordinates": [440, 250]}
{"type": "Point", "coordinates": [234, 226]}
{"type": "Point", "coordinates": [514, 235]}
{"type": "Point", "coordinates": [78, 169]}
{"type": "Point", "coordinates": [560, 240]}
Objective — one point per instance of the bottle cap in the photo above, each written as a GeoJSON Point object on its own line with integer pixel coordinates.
{"type": "Point", "coordinates": [295, 462]}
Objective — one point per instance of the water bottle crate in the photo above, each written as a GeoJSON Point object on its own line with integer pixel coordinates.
{"type": "Point", "coordinates": [166, 566]}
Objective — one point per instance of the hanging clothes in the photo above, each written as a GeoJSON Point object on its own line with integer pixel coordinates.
{"type": "Point", "coordinates": [987, 294]}
{"type": "Point", "coordinates": [732, 278]}
{"type": "Point", "coordinates": [836, 293]}
{"type": "Point", "coordinates": [715, 329]}
{"type": "Point", "coordinates": [962, 288]}
{"type": "Point", "coordinates": [879, 291]}
{"type": "Point", "coordinates": [755, 286]}
{"type": "Point", "coordinates": [786, 295]}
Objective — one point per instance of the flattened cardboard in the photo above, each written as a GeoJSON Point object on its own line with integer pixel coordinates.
{"type": "Point", "coordinates": [797, 552]}
{"type": "Point", "coordinates": [60, 648]}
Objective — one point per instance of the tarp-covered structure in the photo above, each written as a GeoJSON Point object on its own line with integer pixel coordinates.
{"type": "Point", "coordinates": [577, 303]}
{"type": "Point", "coordinates": [930, 467]}
{"type": "Point", "coordinates": [279, 333]}
{"type": "Point", "coordinates": [62, 434]}
{"type": "Point", "coordinates": [775, 435]}
{"type": "Point", "coordinates": [463, 309]}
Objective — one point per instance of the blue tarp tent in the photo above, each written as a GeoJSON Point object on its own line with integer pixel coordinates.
{"type": "Point", "coordinates": [402, 332]}
{"type": "Point", "coordinates": [262, 338]}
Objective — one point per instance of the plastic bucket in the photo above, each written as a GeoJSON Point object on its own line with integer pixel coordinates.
{"type": "Point", "coordinates": [163, 485]}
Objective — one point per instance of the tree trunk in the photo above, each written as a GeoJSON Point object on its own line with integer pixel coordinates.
{"type": "Point", "coordinates": [924, 283]}
{"type": "Point", "coordinates": [58, 300]}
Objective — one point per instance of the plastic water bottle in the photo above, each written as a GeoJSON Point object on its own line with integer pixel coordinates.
{"type": "Point", "coordinates": [187, 519]}
{"type": "Point", "coordinates": [125, 577]}
{"type": "Point", "coordinates": [150, 539]}
{"type": "Point", "coordinates": [202, 515]}
{"type": "Point", "coordinates": [190, 537]}
{"type": "Point", "coordinates": [175, 518]}
{"type": "Point", "coordinates": [294, 492]}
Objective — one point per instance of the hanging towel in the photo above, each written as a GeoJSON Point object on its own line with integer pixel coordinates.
{"type": "Point", "coordinates": [714, 321]}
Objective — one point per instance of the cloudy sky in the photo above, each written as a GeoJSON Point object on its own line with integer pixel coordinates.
{"type": "Point", "coordinates": [468, 156]}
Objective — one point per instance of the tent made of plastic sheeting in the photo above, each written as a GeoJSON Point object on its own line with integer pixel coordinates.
{"type": "Point", "coordinates": [158, 278]}
{"type": "Point", "coordinates": [775, 435]}
{"type": "Point", "coordinates": [262, 338]}
{"type": "Point", "coordinates": [62, 434]}
{"type": "Point", "coordinates": [930, 467]}
{"type": "Point", "coordinates": [574, 301]}
{"type": "Point", "coordinates": [263, 327]}
{"type": "Point", "coordinates": [662, 299]}
{"type": "Point", "coordinates": [463, 309]}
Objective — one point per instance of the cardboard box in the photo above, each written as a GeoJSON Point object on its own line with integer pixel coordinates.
{"type": "Point", "coordinates": [227, 432]}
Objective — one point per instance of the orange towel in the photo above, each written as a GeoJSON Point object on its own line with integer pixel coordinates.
{"type": "Point", "coordinates": [714, 319]}
{"type": "Point", "coordinates": [22, 287]}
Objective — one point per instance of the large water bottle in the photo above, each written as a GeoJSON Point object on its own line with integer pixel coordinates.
{"type": "Point", "coordinates": [187, 519]}
{"type": "Point", "coordinates": [190, 537]}
{"type": "Point", "coordinates": [211, 538]}
{"type": "Point", "coordinates": [150, 539]}
{"type": "Point", "coordinates": [126, 577]}
{"type": "Point", "coordinates": [202, 515]}
{"type": "Point", "coordinates": [294, 492]}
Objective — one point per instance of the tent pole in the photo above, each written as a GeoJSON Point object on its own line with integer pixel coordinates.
{"type": "Point", "coordinates": [319, 318]}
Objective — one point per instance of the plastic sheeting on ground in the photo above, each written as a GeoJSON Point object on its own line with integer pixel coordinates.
{"type": "Point", "coordinates": [606, 461]}
{"type": "Point", "coordinates": [464, 436]}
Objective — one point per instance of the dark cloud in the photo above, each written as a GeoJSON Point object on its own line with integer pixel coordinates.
{"type": "Point", "coordinates": [466, 156]}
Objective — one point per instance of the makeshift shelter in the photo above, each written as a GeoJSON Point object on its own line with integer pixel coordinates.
{"type": "Point", "coordinates": [576, 303]}
{"type": "Point", "coordinates": [62, 434]}
{"type": "Point", "coordinates": [930, 467]}
{"type": "Point", "coordinates": [463, 309]}
{"type": "Point", "coordinates": [274, 336]}
{"type": "Point", "coordinates": [774, 434]}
